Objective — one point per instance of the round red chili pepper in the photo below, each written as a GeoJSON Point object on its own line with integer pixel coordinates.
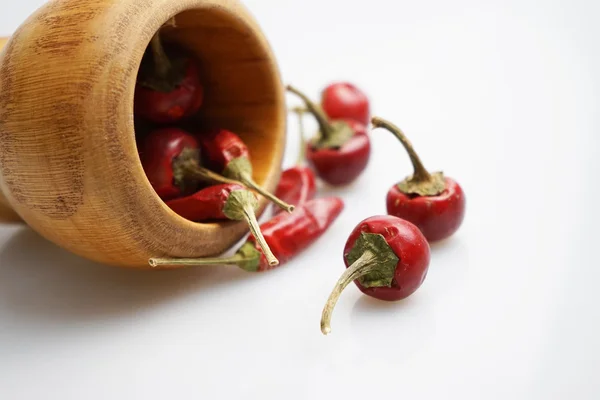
{"type": "Point", "coordinates": [341, 151]}
{"type": "Point", "coordinates": [434, 203]}
{"type": "Point", "coordinates": [387, 257]}
{"type": "Point", "coordinates": [343, 100]}
{"type": "Point", "coordinates": [228, 201]}
{"type": "Point", "coordinates": [297, 184]}
{"type": "Point", "coordinates": [171, 159]}
{"type": "Point", "coordinates": [286, 234]}
{"type": "Point", "coordinates": [171, 89]}
{"type": "Point", "coordinates": [226, 152]}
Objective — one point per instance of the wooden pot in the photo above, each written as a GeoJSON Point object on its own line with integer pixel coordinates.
{"type": "Point", "coordinates": [6, 213]}
{"type": "Point", "coordinates": [69, 164]}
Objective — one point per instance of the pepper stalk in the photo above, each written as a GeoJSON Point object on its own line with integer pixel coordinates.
{"type": "Point", "coordinates": [246, 258]}
{"type": "Point", "coordinates": [421, 182]}
{"type": "Point", "coordinates": [332, 134]}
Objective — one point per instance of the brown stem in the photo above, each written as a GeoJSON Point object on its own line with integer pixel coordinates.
{"type": "Point", "coordinates": [324, 125]}
{"type": "Point", "coordinates": [302, 152]}
{"type": "Point", "coordinates": [420, 173]}
{"type": "Point", "coordinates": [246, 179]}
{"type": "Point", "coordinates": [366, 264]}
{"type": "Point", "coordinates": [162, 64]}
{"type": "Point", "coordinates": [250, 218]}
{"type": "Point", "coordinates": [193, 262]}
{"type": "Point", "coordinates": [205, 174]}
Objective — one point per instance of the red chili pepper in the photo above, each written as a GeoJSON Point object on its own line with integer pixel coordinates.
{"type": "Point", "coordinates": [171, 89]}
{"type": "Point", "coordinates": [286, 234]}
{"type": "Point", "coordinates": [387, 257]}
{"type": "Point", "coordinates": [343, 100]}
{"type": "Point", "coordinates": [341, 151]}
{"type": "Point", "coordinates": [434, 203]}
{"type": "Point", "coordinates": [171, 160]}
{"type": "Point", "coordinates": [229, 201]}
{"type": "Point", "coordinates": [226, 152]}
{"type": "Point", "coordinates": [297, 184]}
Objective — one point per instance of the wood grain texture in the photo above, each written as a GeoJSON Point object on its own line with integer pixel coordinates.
{"type": "Point", "coordinates": [68, 158]}
{"type": "Point", "coordinates": [7, 214]}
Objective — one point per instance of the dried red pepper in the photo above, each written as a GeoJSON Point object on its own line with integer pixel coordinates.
{"type": "Point", "coordinates": [286, 234]}
{"type": "Point", "coordinates": [433, 202]}
{"type": "Point", "coordinates": [228, 201]}
{"type": "Point", "coordinates": [168, 89]}
{"type": "Point", "coordinates": [297, 184]}
{"type": "Point", "coordinates": [387, 257]}
{"type": "Point", "coordinates": [343, 100]}
{"type": "Point", "coordinates": [226, 152]}
{"type": "Point", "coordinates": [171, 159]}
{"type": "Point", "coordinates": [341, 150]}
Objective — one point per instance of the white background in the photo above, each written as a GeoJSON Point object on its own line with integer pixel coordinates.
{"type": "Point", "coordinates": [504, 96]}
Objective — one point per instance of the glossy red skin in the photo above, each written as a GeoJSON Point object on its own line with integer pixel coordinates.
{"type": "Point", "coordinates": [289, 234]}
{"type": "Point", "coordinates": [206, 205]}
{"type": "Point", "coordinates": [220, 147]}
{"type": "Point", "coordinates": [409, 245]}
{"type": "Point", "coordinates": [159, 149]}
{"type": "Point", "coordinates": [342, 166]}
{"type": "Point", "coordinates": [168, 107]}
{"type": "Point", "coordinates": [297, 186]}
{"type": "Point", "coordinates": [438, 217]}
{"type": "Point", "coordinates": [343, 100]}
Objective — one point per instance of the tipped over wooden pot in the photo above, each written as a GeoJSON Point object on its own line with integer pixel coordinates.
{"type": "Point", "coordinates": [69, 164]}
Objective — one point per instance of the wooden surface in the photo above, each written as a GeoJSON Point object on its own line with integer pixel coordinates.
{"type": "Point", "coordinates": [68, 157]}
{"type": "Point", "coordinates": [6, 212]}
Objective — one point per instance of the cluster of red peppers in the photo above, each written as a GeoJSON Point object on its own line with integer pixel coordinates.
{"type": "Point", "coordinates": [207, 176]}
{"type": "Point", "coordinates": [387, 256]}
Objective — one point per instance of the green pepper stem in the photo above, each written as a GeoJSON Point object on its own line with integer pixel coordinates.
{"type": "Point", "coordinates": [250, 218]}
{"type": "Point", "coordinates": [302, 151]}
{"type": "Point", "coordinates": [162, 64]}
{"type": "Point", "coordinates": [246, 179]}
{"type": "Point", "coordinates": [420, 173]}
{"type": "Point", "coordinates": [324, 125]}
{"type": "Point", "coordinates": [364, 265]}
{"type": "Point", "coordinates": [204, 174]}
{"type": "Point", "coordinates": [195, 262]}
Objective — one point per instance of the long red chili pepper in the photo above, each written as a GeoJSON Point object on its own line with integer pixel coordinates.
{"type": "Point", "coordinates": [341, 150]}
{"type": "Point", "coordinates": [286, 234]}
{"type": "Point", "coordinates": [297, 184]}
{"type": "Point", "coordinates": [229, 201]}
{"type": "Point", "coordinates": [226, 152]}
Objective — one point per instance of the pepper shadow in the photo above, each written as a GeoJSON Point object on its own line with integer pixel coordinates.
{"type": "Point", "coordinates": [443, 245]}
{"type": "Point", "coordinates": [41, 282]}
{"type": "Point", "coordinates": [408, 324]}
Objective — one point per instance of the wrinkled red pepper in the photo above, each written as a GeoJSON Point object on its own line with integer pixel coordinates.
{"type": "Point", "coordinates": [341, 150]}
{"type": "Point", "coordinates": [228, 201]}
{"type": "Point", "coordinates": [226, 152]}
{"type": "Point", "coordinates": [170, 90]}
{"type": "Point", "coordinates": [298, 184]}
{"type": "Point", "coordinates": [171, 160]}
{"type": "Point", "coordinates": [435, 203]}
{"type": "Point", "coordinates": [388, 259]}
{"type": "Point", "coordinates": [286, 234]}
